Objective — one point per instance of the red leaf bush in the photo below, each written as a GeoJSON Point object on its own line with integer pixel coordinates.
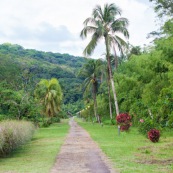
{"type": "Point", "coordinates": [154, 135]}
{"type": "Point", "coordinates": [124, 120]}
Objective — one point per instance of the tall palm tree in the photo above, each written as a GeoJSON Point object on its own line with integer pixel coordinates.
{"type": "Point", "coordinates": [104, 24]}
{"type": "Point", "coordinates": [91, 71]}
{"type": "Point", "coordinates": [50, 95]}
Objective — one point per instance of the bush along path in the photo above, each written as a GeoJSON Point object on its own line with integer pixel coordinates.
{"type": "Point", "coordinates": [81, 154]}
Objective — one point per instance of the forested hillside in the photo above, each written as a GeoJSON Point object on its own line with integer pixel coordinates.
{"type": "Point", "coordinates": [21, 69]}
{"type": "Point", "coordinates": [37, 64]}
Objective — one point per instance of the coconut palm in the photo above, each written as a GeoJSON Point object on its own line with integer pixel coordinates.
{"type": "Point", "coordinates": [50, 95]}
{"type": "Point", "coordinates": [91, 71]}
{"type": "Point", "coordinates": [104, 24]}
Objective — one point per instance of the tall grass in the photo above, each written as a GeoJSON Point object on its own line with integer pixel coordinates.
{"type": "Point", "coordinates": [13, 134]}
{"type": "Point", "coordinates": [39, 154]}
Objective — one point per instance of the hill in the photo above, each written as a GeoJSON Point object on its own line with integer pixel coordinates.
{"type": "Point", "coordinates": [35, 65]}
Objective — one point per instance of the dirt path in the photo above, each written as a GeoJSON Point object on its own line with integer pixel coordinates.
{"type": "Point", "coordinates": [80, 154]}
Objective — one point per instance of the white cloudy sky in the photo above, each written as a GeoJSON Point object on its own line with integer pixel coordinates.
{"type": "Point", "coordinates": [54, 25]}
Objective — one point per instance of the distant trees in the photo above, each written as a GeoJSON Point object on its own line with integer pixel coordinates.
{"type": "Point", "coordinates": [104, 24]}
{"type": "Point", "coordinates": [50, 95]}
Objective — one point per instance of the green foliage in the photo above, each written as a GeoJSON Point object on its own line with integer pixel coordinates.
{"type": "Point", "coordinates": [17, 104]}
{"type": "Point", "coordinates": [55, 120]}
{"type": "Point", "coordinates": [49, 95]}
{"type": "Point", "coordinates": [14, 134]}
{"type": "Point", "coordinates": [103, 106]}
{"type": "Point", "coordinates": [45, 123]}
{"type": "Point", "coordinates": [24, 68]}
{"type": "Point", "coordinates": [147, 124]}
{"type": "Point", "coordinates": [88, 113]}
{"type": "Point", "coordinates": [144, 87]}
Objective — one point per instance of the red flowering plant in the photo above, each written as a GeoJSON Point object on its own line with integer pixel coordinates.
{"type": "Point", "coordinates": [124, 120]}
{"type": "Point", "coordinates": [154, 135]}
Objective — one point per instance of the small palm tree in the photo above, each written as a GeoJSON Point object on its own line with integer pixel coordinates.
{"type": "Point", "coordinates": [50, 95]}
{"type": "Point", "coordinates": [91, 71]}
{"type": "Point", "coordinates": [104, 24]}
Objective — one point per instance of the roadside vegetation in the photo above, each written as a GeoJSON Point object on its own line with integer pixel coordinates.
{"type": "Point", "coordinates": [39, 154]}
{"type": "Point", "coordinates": [13, 134]}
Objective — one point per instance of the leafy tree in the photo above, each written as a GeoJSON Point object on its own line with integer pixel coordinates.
{"type": "Point", "coordinates": [163, 7]}
{"type": "Point", "coordinates": [135, 50]}
{"type": "Point", "coordinates": [50, 95]}
{"type": "Point", "coordinates": [104, 24]}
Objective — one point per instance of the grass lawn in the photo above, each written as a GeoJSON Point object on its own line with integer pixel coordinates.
{"type": "Point", "coordinates": [38, 156]}
{"type": "Point", "coordinates": [131, 152]}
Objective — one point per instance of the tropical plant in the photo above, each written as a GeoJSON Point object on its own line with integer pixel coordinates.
{"type": "Point", "coordinates": [154, 135]}
{"type": "Point", "coordinates": [124, 120]}
{"type": "Point", "coordinates": [91, 71]}
{"type": "Point", "coordinates": [50, 96]}
{"type": "Point", "coordinates": [104, 24]}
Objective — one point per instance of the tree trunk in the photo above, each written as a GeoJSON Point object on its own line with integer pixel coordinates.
{"type": "Point", "coordinates": [110, 103]}
{"type": "Point", "coordinates": [109, 94]}
{"type": "Point", "coordinates": [111, 77]}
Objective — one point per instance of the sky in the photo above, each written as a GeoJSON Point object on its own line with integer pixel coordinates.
{"type": "Point", "coordinates": [55, 25]}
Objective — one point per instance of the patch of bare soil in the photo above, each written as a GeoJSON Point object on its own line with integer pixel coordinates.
{"type": "Point", "coordinates": [156, 161]}
{"type": "Point", "coordinates": [148, 155]}
{"type": "Point", "coordinates": [80, 154]}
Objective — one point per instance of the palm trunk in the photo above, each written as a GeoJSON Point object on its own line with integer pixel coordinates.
{"type": "Point", "coordinates": [109, 94]}
{"type": "Point", "coordinates": [111, 77]}
{"type": "Point", "coordinates": [95, 102]}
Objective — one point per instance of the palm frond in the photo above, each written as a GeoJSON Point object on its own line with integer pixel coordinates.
{"type": "Point", "coordinates": [119, 42]}
{"type": "Point", "coordinates": [110, 11]}
{"type": "Point", "coordinates": [120, 26]}
{"type": "Point", "coordinates": [97, 13]}
{"type": "Point", "coordinates": [91, 45]}
{"type": "Point", "coordinates": [87, 30]}
{"type": "Point", "coordinates": [89, 20]}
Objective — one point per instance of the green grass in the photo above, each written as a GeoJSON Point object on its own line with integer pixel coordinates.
{"type": "Point", "coordinates": [37, 156]}
{"type": "Point", "coordinates": [131, 152]}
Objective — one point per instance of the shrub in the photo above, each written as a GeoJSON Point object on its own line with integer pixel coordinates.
{"type": "Point", "coordinates": [125, 127]}
{"type": "Point", "coordinates": [13, 134]}
{"type": "Point", "coordinates": [146, 125]}
{"type": "Point", "coordinates": [2, 117]}
{"type": "Point", "coordinates": [154, 135]}
{"type": "Point", "coordinates": [124, 120]}
{"type": "Point", "coordinates": [55, 120]}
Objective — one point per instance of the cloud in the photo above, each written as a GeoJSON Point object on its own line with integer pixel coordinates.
{"type": "Point", "coordinates": [52, 34]}
{"type": "Point", "coordinates": [51, 25]}
{"type": "Point", "coordinates": [45, 32]}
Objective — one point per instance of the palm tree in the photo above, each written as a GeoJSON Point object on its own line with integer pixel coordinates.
{"type": "Point", "coordinates": [50, 95]}
{"type": "Point", "coordinates": [91, 71]}
{"type": "Point", "coordinates": [104, 24]}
